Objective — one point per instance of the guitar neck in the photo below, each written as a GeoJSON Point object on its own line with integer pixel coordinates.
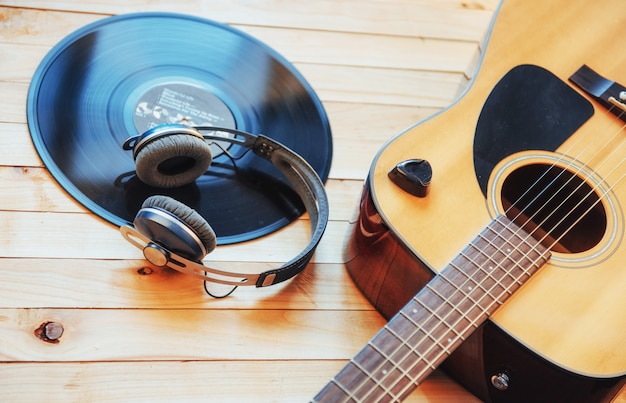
{"type": "Point", "coordinates": [440, 317]}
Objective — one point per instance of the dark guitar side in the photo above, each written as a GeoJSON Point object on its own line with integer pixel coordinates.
{"type": "Point", "coordinates": [380, 253]}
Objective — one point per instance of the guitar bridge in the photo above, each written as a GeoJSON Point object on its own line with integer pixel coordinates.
{"type": "Point", "coordinates": [608, 93]}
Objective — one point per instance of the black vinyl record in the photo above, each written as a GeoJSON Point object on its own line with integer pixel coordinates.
{"type": "Point", "coordinates": [122, 75]}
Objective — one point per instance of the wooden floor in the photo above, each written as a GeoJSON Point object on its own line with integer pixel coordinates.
{"type": "Point", "coordinates": [130, 336]}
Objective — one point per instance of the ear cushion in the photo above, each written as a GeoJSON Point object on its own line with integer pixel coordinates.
{"type": "Point", "coordinates": [188, 215]}
{"type": "Point", "coordinates": [173, 161]}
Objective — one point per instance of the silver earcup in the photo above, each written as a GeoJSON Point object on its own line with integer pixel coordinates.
{"type": "Point", "coordinates": [176, 227]}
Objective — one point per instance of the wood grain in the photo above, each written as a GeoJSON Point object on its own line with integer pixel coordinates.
{"type": "Point", "coordinates": [138, 333]}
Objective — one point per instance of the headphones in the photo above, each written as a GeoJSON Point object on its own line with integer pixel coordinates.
{"type": "Point", "coordinates": [174, 235]}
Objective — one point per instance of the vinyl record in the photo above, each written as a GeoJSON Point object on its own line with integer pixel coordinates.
{"type": "Point", "coordinates": [122, 75]}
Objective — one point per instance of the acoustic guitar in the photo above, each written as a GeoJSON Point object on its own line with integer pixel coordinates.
{"type": "Point", "coordinates": [491, 235]}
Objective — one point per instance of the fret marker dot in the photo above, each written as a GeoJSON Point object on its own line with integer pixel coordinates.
{"type": "Point", "coordinates": [469, 287]}
{"type": "Point", "coordinates": [490, 268]}
{"type": "Point", "coordinates": [384, 372]}
{"type": "Point", "coordinates": [508, 250]}
{"type": "Point", "coordinates": [414, 310]}
{"type": "Point", "coordinates": [449, 340]}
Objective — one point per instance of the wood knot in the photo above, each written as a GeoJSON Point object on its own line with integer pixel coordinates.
{"type": "Point", "coordinates": [50, 332]}
{"type": "Point", "coordinates": [145, 271]}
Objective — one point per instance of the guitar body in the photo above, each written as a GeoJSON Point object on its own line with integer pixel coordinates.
{"type": "Point", "coordinates": [562, 336]}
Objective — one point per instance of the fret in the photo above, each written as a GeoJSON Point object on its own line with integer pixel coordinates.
{"type": "Point", "coordinates": [467, 298]}
{"type": "Point", "coordinates": [482, 278]}
{"type": "Point", "coordinates": [373, 385]}
{"type": "Point", "coordinates": [383, 371]}
{"type": "Point", "coordinates": [434, 339]}
{"type": "Point", "coordinates": [482, 285]}
{"type": "Point", "coordinates": [381, 359]}
{"type": "Point", "coordinates": [401, 354]}
{"type": "Point", "coordinates": [534, 255]}
{"type": "Point", "coordinates": [356, 382]}
{"type": "Point", "coordinates": [451, 319]}
{"type": "Point", "coordinates": [441, 316]}
{"type": "Point", "coordinates": [484, 261]}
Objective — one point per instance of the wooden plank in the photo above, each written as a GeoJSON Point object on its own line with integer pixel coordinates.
{"type": "Point", "coordinates": [21, 66]}
{"type": "Point", "coordinates": [342, 83]}
{"type": "Point", "coordinates": [358, 131]}
{"type": "Point", "coordinates": [23, 26]}
{"type": "Point", "coordinates": [333, 49]}
{"type": "Point", "coordinates": [134, 284]}
{"type": "Point", "coordinates": [442, 19]}
{"type": "Point", "coordinates": [223, 381]}
{"type": "Point", "coordinates": [34, 189]}
{"type": "Point", "coordinates": [54, 233]}
{"type": "Point", "coordinates": [383, 86]}
{"type": "Point", "coordinates": [185, 334]}
{"type": "Point", "coordinates": [15, 110]}
{"type": "Point", "coordinates": [393, 52]}
{"type": "Point", "coordinates": [297, 45]}
{"type": "Point", "coordinates": [15, 137]}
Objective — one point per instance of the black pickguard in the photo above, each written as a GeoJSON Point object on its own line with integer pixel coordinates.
{"type": "Point", "coordinates": [528, 109]}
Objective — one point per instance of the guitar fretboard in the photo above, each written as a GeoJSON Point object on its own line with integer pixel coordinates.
{"type": "Point", "coordinates": [440, 317]}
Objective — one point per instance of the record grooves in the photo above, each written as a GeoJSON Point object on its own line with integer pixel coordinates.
{"type": "Point", "coordinates": [122, 75]}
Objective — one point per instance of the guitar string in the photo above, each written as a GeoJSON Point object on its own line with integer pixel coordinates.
{"type": "Point", "coordinates": [554, 164]}
{"type": "Point", "coordinates": [591, 192]}
{"type": "Point", "coordinates": [438, 341]}
{"type": "Point", "coordinates": [609, 112]}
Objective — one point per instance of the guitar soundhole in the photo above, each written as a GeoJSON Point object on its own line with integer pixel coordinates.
{"type": "Point", "coordinates": [558, 207]}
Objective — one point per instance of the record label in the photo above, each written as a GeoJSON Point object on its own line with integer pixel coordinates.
{"type": "Point", "coordinates": [181, 103]}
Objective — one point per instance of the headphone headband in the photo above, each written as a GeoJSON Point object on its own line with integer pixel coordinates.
{"type": "Point", "coordinates": [298, 172]}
